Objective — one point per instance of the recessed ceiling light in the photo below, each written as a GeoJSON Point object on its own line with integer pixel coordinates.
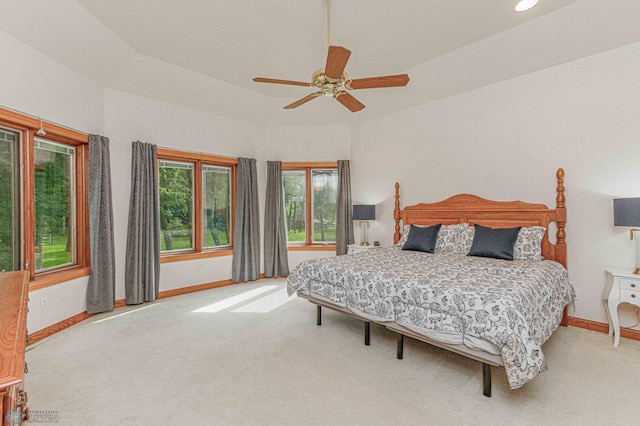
{"type": "Point", "coordinates": [525, 5]}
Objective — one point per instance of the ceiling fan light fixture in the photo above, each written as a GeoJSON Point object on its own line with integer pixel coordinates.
{"type": "Point", "coordinates": [328, 86]}
{"type": "Point", "coordinates": [523, 5]}
{"type": "Point", "coordinates": [332, 79]}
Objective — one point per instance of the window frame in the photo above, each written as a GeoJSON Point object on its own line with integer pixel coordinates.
{"type": "Point", "coordinates": [28, 127]}
{"type": "Point", "coordinates": [307, 167]}
{"type": "Point", "coordinates": [198, 160]}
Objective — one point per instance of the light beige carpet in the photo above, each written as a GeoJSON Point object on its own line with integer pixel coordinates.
{"type": "Point", "coordinates": [264, 361]}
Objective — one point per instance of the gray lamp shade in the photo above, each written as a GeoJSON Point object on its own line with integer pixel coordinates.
{"type": "Point", "coordinates": [364, 212]}
{"type": "Point", "coordinates": [626, 212]}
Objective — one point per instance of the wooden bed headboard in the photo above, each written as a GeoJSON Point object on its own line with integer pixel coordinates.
{"type": "Point", "coordinates": [496, 214]}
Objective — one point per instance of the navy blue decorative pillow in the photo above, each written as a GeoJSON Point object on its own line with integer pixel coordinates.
{"type": "Point", "coordinates": [494, 242]}
{"type": "Point", "coordinates": [422, 238]}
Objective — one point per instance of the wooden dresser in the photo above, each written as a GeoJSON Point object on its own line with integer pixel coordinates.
{"type": "Point", "coordinates": [14, 295]}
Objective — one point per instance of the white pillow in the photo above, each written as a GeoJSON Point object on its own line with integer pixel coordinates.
{"type": "Point", "coordinates": [405, 235]}
{"type": "Point", "coordinates": [529, 243]}
{"type": "Point", "coordinates": [449, 238]}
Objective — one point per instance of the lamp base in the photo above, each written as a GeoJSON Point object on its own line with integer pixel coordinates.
{"type": "Point", "coordinates": [365, 243]}
{"type": "Point", "coordinates": [637, 241]}
{"type": "Point", "coordinates": [364, 235]}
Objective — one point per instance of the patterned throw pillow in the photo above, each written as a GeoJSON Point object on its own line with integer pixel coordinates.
{"type": "Point", "coordinates": [405, 235]}
{"type": "Point", "coordinates": [529, 243]}
{"type": "Point", "coordinates": [466, 239]}
{"type": "Point", "coordinates": [449, 238]}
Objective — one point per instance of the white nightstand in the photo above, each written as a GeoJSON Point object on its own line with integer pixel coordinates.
{"type": "Point", "coordinates": [625, 287]}
{"type": "Point", "coordinates": [357, 248]}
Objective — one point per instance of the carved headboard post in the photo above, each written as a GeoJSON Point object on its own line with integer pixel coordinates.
{"type": "Point", "coordinates": [561, 220]}
{"type": "Point", "coordinates": [396, 215]}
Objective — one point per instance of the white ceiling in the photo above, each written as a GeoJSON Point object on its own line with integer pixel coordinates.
{"type": "Point", "coordinates": [203, 53]}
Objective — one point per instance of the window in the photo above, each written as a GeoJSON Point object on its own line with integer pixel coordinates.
{"type": "Point", "coordinates": [294, 187]}
{"type": "Point", "coordinates": [325, 194]}
{"type": "Point", "coordinates": [176, 205]}
{"type": "Point", "coordinates": [196, 204]}
{"type": "Point", "coordinates": [310, 193]}
{"type": "Point", "coordinates": [9, 200]}
{"type": "Point", "coordinates": [55, 213]}
{"type": "Point", "coordinates": [216, 206]}
{"type": "Point", "coordinates": [43, 200]}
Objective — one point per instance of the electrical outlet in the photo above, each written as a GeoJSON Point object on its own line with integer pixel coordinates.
{"type": "Point", "coordinates": [201, 268]}
{"type": "Point", "coordinates": [44, 302]}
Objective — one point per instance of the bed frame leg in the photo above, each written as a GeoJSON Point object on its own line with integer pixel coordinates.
{"type": "Point", "coordinates": [486, 380]}
{"type": "Point", "coordinates": [367, 333]}
{"type": "Point", "coordinates": [319, 310]}
{"type": "Point", "coordinates": [400, 345]}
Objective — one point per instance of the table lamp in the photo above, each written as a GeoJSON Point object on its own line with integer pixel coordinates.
{"type": "Point", "coordinates": [626, 212]}
{"type": "Point", "coordinates": [364, 213]}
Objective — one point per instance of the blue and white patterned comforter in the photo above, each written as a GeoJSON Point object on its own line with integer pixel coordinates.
{"type": "Point", "coordinates": [515, 305]}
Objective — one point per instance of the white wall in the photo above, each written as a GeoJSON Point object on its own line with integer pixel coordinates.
{"type": "Point", "coordinates": [129, 118]}
{"type": "Point", "coordinates": [307, 143]}
{"type": "Point", "coordinates": [505, 142]}
{"type": "Point", "coordinates": [36, 85]}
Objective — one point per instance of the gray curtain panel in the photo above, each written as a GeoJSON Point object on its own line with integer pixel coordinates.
{"type": "Point", "coordinates": [276, 263]}
{"type": "Point", "coordinates": [142, 269]}
{"type": "Point", "coordinates": [246, 230]}
{"type": "Point", "coordinates": [344, 214]}
{"type": "Point", "coordinates": [102, 279]}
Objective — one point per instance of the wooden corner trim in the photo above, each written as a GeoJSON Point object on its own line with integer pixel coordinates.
{"type": "Point", "coordinates": [59, 326]}
{"type": "Point", "coordinates": [629, 333]}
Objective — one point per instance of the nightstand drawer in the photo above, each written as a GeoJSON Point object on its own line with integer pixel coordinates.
{"type": "Point", "coordinates": [630, 296]}
{"type": "Point", "coordinates": [629, 284]}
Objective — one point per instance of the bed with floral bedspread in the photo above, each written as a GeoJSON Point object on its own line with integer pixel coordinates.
{"type": "Point", "coordinates": [512, 306]}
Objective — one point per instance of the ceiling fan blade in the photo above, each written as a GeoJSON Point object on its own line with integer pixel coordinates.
{"type": "Point", "coordinates": [336, 62]}
{"type": "Point", "coordinates": [349, 101]}
{"type": "Point", "coordinates": [375, 82]}
{"type": "Point", "coordinates": [273, 80]}
{"type": "Point", "coordinates": [304, 100]}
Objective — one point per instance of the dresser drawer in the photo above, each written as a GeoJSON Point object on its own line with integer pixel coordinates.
{"type": "Point", "coordinates": [630, 296]}
{"type": "Point", "coordinates": [629, 284]}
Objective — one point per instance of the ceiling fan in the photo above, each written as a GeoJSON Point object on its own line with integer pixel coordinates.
{"type": "Point", "coordinates": [332, 79]}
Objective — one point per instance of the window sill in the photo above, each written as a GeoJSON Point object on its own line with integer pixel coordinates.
{"type": "Point", "coordinates": [180, 257]}
{"type": "Point", "coordinates": [314, 247]}
{"type": "Point", "coordinates": [57, 278]}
